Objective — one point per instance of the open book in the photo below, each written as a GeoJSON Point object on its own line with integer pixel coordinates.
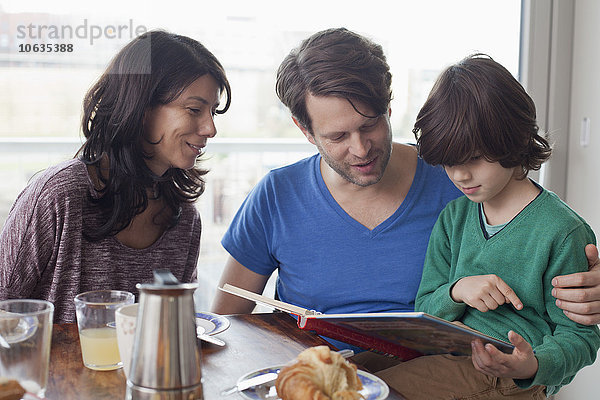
{"type": "Point", "coordinates": [404, 334]}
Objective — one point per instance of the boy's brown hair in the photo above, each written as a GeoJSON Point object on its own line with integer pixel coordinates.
{"type": "Point", "coordinates": [476, 107]}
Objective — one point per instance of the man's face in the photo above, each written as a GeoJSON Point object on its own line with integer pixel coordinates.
{"type": "Point", "coordinates": [356, 147]}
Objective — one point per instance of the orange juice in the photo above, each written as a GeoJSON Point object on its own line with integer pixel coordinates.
{"type": "Point", "coordinates": [99, 348]}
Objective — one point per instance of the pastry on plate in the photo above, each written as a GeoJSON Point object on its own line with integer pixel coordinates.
{"type": "Point", "coordinates": [319, 374]}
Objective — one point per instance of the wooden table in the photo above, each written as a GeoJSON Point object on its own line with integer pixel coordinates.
{"type": "Point", "coordinates": [253, 341]}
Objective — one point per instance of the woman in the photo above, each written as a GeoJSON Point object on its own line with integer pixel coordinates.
{"type": "Point", "coordinates": [124, 205]}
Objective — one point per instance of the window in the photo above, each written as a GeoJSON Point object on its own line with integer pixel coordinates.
{"type": "Point", "coordinates": [41, 91]}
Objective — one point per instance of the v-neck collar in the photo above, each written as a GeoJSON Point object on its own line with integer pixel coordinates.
{"type": "Point", "coordinates": [524, 211]}
{"type": "Point", "coordinates": [408, 200]}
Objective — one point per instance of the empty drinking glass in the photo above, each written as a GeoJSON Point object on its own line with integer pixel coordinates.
{"type": "Point", "coordinates": [25, 337]}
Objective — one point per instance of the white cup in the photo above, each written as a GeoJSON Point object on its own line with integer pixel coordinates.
{"type": "Point", "coordinates": [125, 319]}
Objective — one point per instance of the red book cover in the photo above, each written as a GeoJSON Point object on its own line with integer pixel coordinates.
{"type": "Point", "coordinates": [356, 338]}
{"type": "Point", "coordinates": [406, 335]}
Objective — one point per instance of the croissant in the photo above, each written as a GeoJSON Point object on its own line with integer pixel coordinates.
{"type": "Point", "coordinates": [319, 374]}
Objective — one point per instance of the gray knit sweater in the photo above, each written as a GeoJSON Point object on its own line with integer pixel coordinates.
{"type": "Point", "coordinates": [43, 254]}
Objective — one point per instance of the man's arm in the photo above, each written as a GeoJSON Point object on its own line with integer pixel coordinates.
{"type": "Point", "coordinates": [237, 275]}
{"type": "Point", "coordinates": [578, 295]}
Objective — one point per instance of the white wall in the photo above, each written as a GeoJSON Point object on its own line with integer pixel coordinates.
{"type": "Point", "coordinates": [583, 166]}
{"type": "Point", "coordinates": [583, 190]}
{"type": "Point", "coordinates": [561, 70]}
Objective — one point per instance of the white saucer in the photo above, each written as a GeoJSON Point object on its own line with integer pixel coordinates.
{"type": "Point", "coordinates": [212, 323]}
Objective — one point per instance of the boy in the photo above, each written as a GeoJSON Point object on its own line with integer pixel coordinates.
{"type": "Point", "coordinates": [493, 252]}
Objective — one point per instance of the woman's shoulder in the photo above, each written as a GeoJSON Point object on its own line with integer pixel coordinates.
{"type": "Point", "coordinates": [190, 212]}
{"type": "Point", "coordinates": [64, 174]}
{"type": "Point", "coordinates": [189, 218]}
{"type": "Point", "coordinates": [50, 192]}
{"type": "Point", "coordinates": [58, 180]}
{"type": "Point", "coordinates": [188, 228]}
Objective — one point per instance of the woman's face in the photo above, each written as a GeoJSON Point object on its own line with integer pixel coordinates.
{"type": "Point", "coordinates": [181, 128]}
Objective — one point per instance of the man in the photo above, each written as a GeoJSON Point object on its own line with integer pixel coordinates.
{"type": "Point", "coordinates": [348, 228]}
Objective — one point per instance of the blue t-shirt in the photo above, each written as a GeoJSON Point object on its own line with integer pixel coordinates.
{"type": "Point", "coordinates": [327, 261]}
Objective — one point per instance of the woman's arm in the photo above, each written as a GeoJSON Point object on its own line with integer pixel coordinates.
{"type": "Point", "coordinates": [27, 241]}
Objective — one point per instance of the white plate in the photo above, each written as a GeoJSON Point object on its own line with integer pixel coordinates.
{"type": "Point", "coordinates": [30, 396]}
{"type": "Point", "coordinates": [212, 323]}
{"type": "Point", "coordinates": [373, 387]}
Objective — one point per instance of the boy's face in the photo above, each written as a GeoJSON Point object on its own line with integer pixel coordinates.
{"type": "Point", "coordinates": [356, 147]}
{"type": "Point", "coordinates": [483, 181]}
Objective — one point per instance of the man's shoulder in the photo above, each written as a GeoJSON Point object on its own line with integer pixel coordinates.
{"type": "Point", "coordinates": [298, 168]}
{"type": "Point", "coordinates": [289, 176]}
{"type": "Point", "coordinates": [436, 173]}
{"type": "Point", "coordinates": [285, 183]}
{"type": "Point", "coordinates": [406, 158]}
{"type": "Point", "coordinates": [434, 178]}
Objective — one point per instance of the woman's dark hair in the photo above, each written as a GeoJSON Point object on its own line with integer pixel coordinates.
{"type": "Point", "coordinates": [477, 106]}
{"type": "Point", "coordinates": [152, 70]}
{"type": "Point", "coordinates": [335, 62]}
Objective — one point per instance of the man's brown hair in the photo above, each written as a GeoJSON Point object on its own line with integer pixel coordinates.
{"type": "Point", "coordinates": [335, 62]}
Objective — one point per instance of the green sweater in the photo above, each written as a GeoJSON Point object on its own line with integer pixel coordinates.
{"type": "Point", "coordinates": [544, 240]}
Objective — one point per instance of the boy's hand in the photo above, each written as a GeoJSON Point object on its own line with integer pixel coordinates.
{"type": "Point", "coordinates": [484, 292]}
{"type": "Point", "coordinates": [521, 364]}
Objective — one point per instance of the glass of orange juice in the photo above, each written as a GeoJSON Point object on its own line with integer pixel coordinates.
{"type": "Point", "coordinates": [96, 323]}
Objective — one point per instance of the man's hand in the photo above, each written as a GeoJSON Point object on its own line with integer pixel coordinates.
{"type": "Point", "coordinates": [521, 364]}
{"type": "Point", "coordinates": [579, 294]}
{"type": "Point", "coordinates": [484, 292]}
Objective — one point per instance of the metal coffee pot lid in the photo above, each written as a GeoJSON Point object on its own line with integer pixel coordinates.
{"type": "Point", "coordinates": [165, 283]}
